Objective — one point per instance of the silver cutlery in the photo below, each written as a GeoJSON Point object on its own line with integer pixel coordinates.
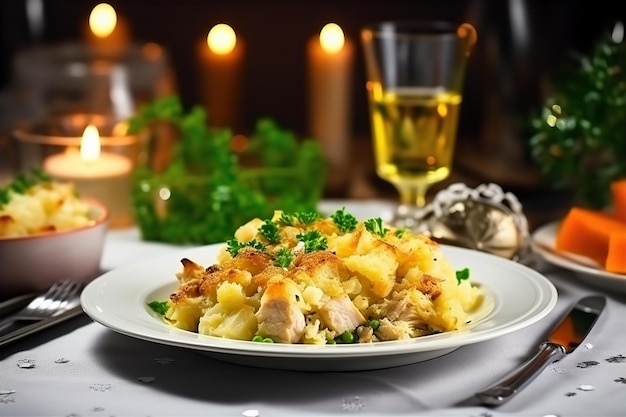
{"type": "Point", "coordinates": [61, 296]}
{"type": "Point", "coordinates": [563, 340]}
{"type": "Point", "coordinates": [22, 332]}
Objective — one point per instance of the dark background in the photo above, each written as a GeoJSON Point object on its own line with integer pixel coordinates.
{"type": "Point", "coordinates": [521, 45]}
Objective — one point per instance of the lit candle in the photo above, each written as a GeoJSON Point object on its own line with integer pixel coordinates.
{"type": "Point", "coordinates": [107, 33]}
{"type": "Point", "coordinates": [330, 61]}
{"type": "Point", "coordinates": [220, 56]}
{"type": "Point", "coordinates": [100, 175]}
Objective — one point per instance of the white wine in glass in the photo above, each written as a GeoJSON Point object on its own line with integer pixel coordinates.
{"type": "Point", "coordinates": [415, 75]}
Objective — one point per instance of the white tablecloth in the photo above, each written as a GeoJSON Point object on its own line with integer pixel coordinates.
{"type": "Point", "coordinates": [81, 368]}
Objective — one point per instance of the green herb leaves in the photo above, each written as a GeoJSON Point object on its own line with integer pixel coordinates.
{"type": "Point", "coordinates": [578, 140]}
{"type": "Point", "coordinates": [159, 307]}
{"type": "Point", "coordinates": [21, 183]}
{"type": "Point", "coordinates": [284, 258]}
{"type": "Point", "coordinates": [298, 218]}
{"type": "Point", "coordinates": [233, 246]}
{"type": "Point", "coordinates": [346, 222]}
{"type": "Point", "coordinates": [211, 188]}
{"type": "Point", "coordinates": [270, 231]}
{"type": "Point", "coordinates": [375, 226]}
{"type": "Point", "coordinates": [313, 241]}
{"type": "Point", "coordinates": [462, 275]}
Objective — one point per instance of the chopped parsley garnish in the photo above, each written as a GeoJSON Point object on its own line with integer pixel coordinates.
{"type": "Point", "coordinates": [284, 257]}
{"type": "Point", "coordinates": [21, 183]}
{"type": "Point", "coordinates": [401, 232]}
{"type": "Point", "coordinates": [234, 246]}
{"type": "Point", "coordinates": [462, 275]}
{"type": "Point", "coordinates": [270, 231]}
{"type": "Point", "coordinates": [301, 217]}
{"type": "Point", "coordinates": [306, 217]}
{"type": "Point", "coordinates": [346, 222]}
{"type": "Point", "coordinates": [287, 219]}
{"type": "Point", "coordinates": [159, 307]}
{"type": "Point", "coordinates": [376, 227]}
{"type": "Point", "coordinates": [313, 241]}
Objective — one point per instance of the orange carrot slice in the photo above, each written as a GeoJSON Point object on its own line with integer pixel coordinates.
{"type": "Point", "coordinates": [586, 232]}
{"type": "Point", "coordinates": [618, 194]}
{"type": "Point", "coordinates": [616, 258]}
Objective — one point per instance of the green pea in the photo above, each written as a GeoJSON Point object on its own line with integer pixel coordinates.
{"type": "Point", "coordinates": [374, 324]}
{"type": "Point", "coordinates": [331, 342]}
{"type": "Point", "coordinates": [347, 337]}
{"type": "Point", "coordinates": [268, 340]}
{"type": "Point", "coordinates": [257, 339]}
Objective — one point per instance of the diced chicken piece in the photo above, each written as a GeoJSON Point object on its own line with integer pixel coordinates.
{"type": "Point", "coordinates": [392, 331]}
{"type": "Point", "coordinates": [402, 310]}
{"type": "Point", "coordinates": [341, 315]}
{"type": "Point", "coordinates": [279, 316]}
{"type": "Point", "coordinates": [365, 334]}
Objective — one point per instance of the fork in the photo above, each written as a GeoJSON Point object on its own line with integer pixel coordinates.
{"type": "Point", "coordinates": [56, 299]}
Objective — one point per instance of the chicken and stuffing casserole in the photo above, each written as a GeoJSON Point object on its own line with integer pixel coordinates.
{"type": "Point", "coordinates": [36, 204]}
{"type": "Point", "coordinates": [301, 278]}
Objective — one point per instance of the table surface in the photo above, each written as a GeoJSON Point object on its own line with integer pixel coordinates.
{"type": "Point", "coordinates": [81, 368]}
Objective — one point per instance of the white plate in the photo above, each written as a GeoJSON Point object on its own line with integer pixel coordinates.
{"type": "Point", "coordinates": [543, 242]}
{"type": "Point", "coordinates": [516, 297]}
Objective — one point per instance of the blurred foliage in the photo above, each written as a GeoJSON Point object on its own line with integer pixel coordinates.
{"type": "Point", "coordinates": [209, 190]}
{"type": "Point", "coordinates": [579, 140]}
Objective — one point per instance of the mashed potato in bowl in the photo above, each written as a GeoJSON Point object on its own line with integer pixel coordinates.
{"type": "Point", "coordinates": [304, 279]}
{"type": "Point", "coordinates": [43, 207]}
{"type": "Point", "coordinates": [48, 233]}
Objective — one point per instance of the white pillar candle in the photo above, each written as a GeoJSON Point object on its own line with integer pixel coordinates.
{"type": "Point", "coordinates": [220, 57]}
{"type": "Point", "coordinates": [330, 62]}
{"type": "Point", "coordinates": [100, 175]}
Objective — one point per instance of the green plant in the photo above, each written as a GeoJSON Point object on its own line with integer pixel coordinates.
{"type": "Point", "coordinates": [579, 139]}
{"type": "Point", "coordinates": [206, 192]}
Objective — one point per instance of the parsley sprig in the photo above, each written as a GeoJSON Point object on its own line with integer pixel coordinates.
{"type": "Point", "coordinates": [270, 231]}
{"type": "Point", "coordinates": [375, 226]}
{"type": "Point", "coordinates": [346, 222]}
{"type": "Point", "coordinates": [21, 183]}
{"type": "Point", "coordinates": [313, 240]}
{"type": "Point", "coordinates": [159, 307]}
{"type": "Point", "coordinates": [298, 218]}
{"type": "Point", "coordinates": [462, 275]}
{"type": "Point", "coordinates": [283, 258]}
{"type": "Point", "coordinates": [233, 246]}
{"type": "Point", "coordinates": [214, 189]}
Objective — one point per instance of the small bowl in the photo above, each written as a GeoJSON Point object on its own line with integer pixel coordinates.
{"type": "Point", "coordinates": [34, 262]}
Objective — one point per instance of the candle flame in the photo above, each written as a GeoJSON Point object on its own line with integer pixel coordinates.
{"type": "Point", "coordinates": [332, 38]}
{"type": "Point", "coordinates": [221, 39]}
{"type": "Point", "coordinates": [102, 20]}
{"type": "Point", "coordinates": [90, 144]}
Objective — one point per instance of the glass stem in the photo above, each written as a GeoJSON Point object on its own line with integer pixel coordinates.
{"type": "Point", "coordinates": [414, 196]}
{"type": "Point", "coordinates": [409, 211]}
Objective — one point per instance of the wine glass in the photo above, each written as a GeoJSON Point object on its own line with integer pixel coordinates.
{"type": "Point", "coordinates": [415, 72]}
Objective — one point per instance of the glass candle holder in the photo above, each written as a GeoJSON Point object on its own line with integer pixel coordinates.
{"type": "Point", "coordinates": [74, 77]}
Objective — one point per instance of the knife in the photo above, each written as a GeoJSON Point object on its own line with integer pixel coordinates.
{"type": "Point", "coordinates": [563, 339]}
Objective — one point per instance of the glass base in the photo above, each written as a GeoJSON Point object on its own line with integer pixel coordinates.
{"type": "Point", "coordinates": [410, 217]}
